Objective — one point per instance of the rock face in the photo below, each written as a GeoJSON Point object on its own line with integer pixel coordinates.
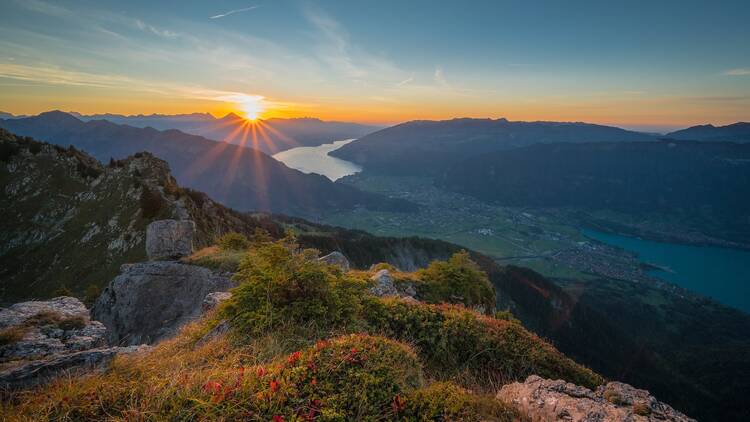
{"type": "Point", "coordinates": [543, 400]}
{"type": "Point", "coordinates": [37, 329]}
{"type": "Point", "coordinates": [150, 301]}
{"type": "Point", "coordinates": [169, 239]}
{"type": "Point", "coordinates": [336, 258]}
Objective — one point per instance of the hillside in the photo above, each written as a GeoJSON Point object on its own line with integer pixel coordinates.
{"type": "Point", "coordinates": [699, 181]}
{"type": "Point", "coordinates": [274, 135]}
{"type": "Point", "coordinates": [428, 147]}
{"type": "Point", "coordinates": [242, 178]}
{"type": "Point", "coordinates": [736, 132]}
{"type": "Point", "coordinates": [42, 240]}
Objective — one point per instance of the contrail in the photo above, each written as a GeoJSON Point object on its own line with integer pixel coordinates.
{"type": "Point", "coordinates": [231, 12]}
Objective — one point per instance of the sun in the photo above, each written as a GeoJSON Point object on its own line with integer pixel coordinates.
{"type": "Point", "coordinates": [251, 106]}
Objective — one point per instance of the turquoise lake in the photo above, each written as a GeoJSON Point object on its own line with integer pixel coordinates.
{"type": "Point", "coordinates": [720, 273]}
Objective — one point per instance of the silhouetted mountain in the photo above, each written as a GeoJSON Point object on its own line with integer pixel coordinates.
{"type": "Point", "coordinates": [737, 132]}
{"type": "Point", "coordinates": [271, 136]}
{"type": "Point", "coordinates": [428, 147]}
{"type": "Point", "coordinates": [4, 115]}
{"type": "Point", "coordinates": [699, 179]}
{"type": "Point", "coordinates": [243, 178]}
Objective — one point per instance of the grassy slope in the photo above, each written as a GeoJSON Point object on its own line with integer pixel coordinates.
{"type": "Point", "coordinates": [388, 359]}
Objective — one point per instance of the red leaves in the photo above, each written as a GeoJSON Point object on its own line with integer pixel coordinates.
{"type": "Point", "coordinates": [261, 372]}
{"type": "Point", "coordinates": [212, 387]}
{"type": "Point", "coordinates": [274, 386]}
{"type": "Point", "coordinates": [398, 404]}
{"type": "Point", "coordinates": [294, 358]}
{"type": "Point", "coordinates": [277, 418]}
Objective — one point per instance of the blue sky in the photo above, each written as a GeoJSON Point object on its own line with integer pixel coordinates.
{"type": "Point", "coordinates": [651, 65]}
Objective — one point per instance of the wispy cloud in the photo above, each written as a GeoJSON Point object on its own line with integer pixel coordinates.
{"type": "Point", "coordinates": [408, 80]}
{"type": "Point", "coordinates": [154, 30]}
{"type": "Point", "coordinates": [232, 12]}
{"type": "Point", "coordinates": [737, 72]}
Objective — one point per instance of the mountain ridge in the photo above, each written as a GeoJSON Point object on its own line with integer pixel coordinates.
{"type": "Point", "coordinates": [243, 178]}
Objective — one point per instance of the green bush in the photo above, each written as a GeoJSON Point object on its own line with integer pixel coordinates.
{"type": "Point", "coordinates": [233, 241]}
{"type": "Point", "coordinates": [456, 342]}
{"type": "Point", "coordinates": [457, 280]}
{"type": "Point", "coordinates": [279, 284]}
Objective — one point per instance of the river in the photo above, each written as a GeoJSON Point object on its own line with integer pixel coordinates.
{"type": "Point", "coordinates": [720, 273]}
{"type": "Point", "coordinates": [317, 160]}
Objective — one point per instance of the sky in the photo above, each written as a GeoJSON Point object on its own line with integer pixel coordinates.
{"type": "Point", "coordinates": [650, 65]}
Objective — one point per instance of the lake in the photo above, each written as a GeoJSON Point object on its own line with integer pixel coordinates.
{"type": "Point", "coordinates": [317, 160]}
{"type": "Point", "coordinates": [720, 273]}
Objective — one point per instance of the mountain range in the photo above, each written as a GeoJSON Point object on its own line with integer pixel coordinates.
{"type": "Point", "coordinates": [428, 147]}
{"type": "Point", "coordinates": [267, 135]}
{"type": "Point", "coordinates": [240, 177]}
{"type": "Point", "coordinates": [736, 132]}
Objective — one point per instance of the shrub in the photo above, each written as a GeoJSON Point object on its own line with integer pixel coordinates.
{"type": "Point", "coordinates": [484, 351]}
{"type": "Point", "coordinates": [63, 290]}
{"type": "Point", "coordinates": [350, 377]}
{"type": "Point", "coordinates": [449, 402]}
{"type": "Point", "coordinates": [457, 280]}
{"type": "Point", "coordinates": [260, 236]}
{"type": "Point", "coordinates": [278, 284]}
{"type": "Point", "coordinates": [233, 241]}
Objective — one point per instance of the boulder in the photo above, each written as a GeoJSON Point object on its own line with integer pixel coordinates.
{"type": "Point", "coordinates": [338, 259]}
{"type": "Point", "coordinates": [383, 284]}
{"type": "Point", "coordinates": [150, 301]}
{"type": "Point", "coordinates": [544, 400]}
{"type": "Point", "coordinates": [36, 329]}
{"type": "Point", "coordinates": [169, 239]}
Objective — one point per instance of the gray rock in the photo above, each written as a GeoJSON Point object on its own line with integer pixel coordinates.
{"type": "Point", "coordinates": [44, 328]}
{"type": "Point", "coordinates": [383, 284]}
{"type": "Point", "coordinates": [543, 400]}
{"type": "Point", "coordinates": [150, 301]}
{"type": "Point", "coordinates": [169, 239]}
{"type": "Point", "coordinates": [40, 371]}
{"type": "Point", "coordinates": [338, 259]}
{"type": "Point", "coordinates": [213, 299]}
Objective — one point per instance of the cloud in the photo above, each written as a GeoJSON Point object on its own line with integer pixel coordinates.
{"type": "Point", "coordinates": [410, 79]}
{"type": "Point", "coordinates": [232, 12]}
{"type": "Point", "coordinates": [737, 72]}
{"type": "Point", "coordinates": [154, 30]}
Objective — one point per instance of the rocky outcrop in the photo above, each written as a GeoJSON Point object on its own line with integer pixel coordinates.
{"type": "Point", "coordinates": [338, 259]}
{"type": "Point", "coordinates": [37, 372]}
{"type": "Point", "coordinates": [150, 301]}
{"type": "Point", "coordinates": [40, 340]}
{"type": "Point", "coordinates": [383, 285]}
{"type": "Point", "coordinates": [37, 329]}
{"type": "Point", "coordinates": [169, 239]}
{"type": "Point", "coordinates": [543, 400]}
